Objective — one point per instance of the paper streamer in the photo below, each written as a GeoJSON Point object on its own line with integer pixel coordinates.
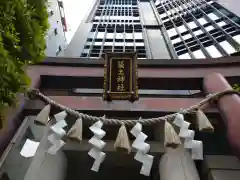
{"type": "Point", "coordinates": [58, 132]}
{"type": "Point", "coordinates": [98, 144]}
{"type": "Point", "coordinates": [29, 148]}
{"type": "Point", "coordinates": [58, 128]}
{"type": "Point", "coordinates": [147, 165]}
{"type": "Point", "coordinates": [178, 120]}
{"type": "Point", "coordinates": [142, 149]}
{"type": "Point", "coordinates": [197, 150]}
{"type": "Point", "coordinates": [196, 147]}
{"type": "Point", "coordinates": [57, 145]}
{"type": "Point", "coordinates": [60, 116]}
{"type": "Point", "coordinates": [189, 139]}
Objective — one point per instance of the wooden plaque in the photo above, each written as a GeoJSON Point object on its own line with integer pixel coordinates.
{"type": "Point", "coordinates": [120, 77]}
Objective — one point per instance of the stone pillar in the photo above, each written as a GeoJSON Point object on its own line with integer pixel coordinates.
{"type": "Point", "coordinates": [229, 106]}
{"type": "Point", "coordinates": [177, 164]}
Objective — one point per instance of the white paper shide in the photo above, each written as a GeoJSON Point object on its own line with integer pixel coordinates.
{"type": "Point", "coordinates": [29, 148]}
{"type": "Point", "coordinates": [195, 146]}
{"type": "Point", "coordinates": [98, 144]}
{"type": "Point", "coordinates": [55, 138]}
{"type": "Point", "coordinates": [142, 149]}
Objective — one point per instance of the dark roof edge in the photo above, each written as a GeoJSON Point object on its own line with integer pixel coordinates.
{"type": "Point", "coordinates": [145, 63]}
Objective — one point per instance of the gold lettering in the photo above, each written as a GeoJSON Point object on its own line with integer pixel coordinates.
{"type": "Point", "coordinates": [120, 87]}
{"type": "Point", "coordinates": [120, 72]}
{"type": "Point", "coordinates": [120, 79]}
{"type": "Point", "coordinates": [121, 64]}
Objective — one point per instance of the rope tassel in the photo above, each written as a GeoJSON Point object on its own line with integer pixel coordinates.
{"type": "Point", "coordinates": [122, 140]}
{"type": "Point", "coordinates": [76, 130]}
{"type": "Point", "coordinates": [43, 117]}
{"type": "Point", "coordinates": [171, 138]}
{"type": "Point", "coordinates": [203, 122]}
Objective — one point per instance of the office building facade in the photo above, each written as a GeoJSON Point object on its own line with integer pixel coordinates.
{"type": "Point", "coordinates": [170, 29]}
{"type": "Point", "coordinates": [166, 85]}
{"type": "Point", "coordinates": [55, 38]}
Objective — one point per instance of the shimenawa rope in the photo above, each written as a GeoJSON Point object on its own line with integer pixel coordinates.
{"type": "Point", "coordinates": [35, 93]}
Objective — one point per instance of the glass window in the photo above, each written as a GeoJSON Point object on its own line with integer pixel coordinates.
{"type": "Point", "coordinates": [89, 43]}
{"type": "Point", "coordinates": [221, 23]}
{"type": "Point", "coordinates": [55, 31]}
{"type": "Point", "coordinates": [109, 36]}
{"type": "Point", "coordinates": [196, 33]}
{"type": "Point", "coordinates": [100, 35]}
{"type": "Point", "coordinates": [168, 12]}
{"type": "Point", "coordinates": [97, 43]}
{"type": "Point", "coordinates": [212, 50]}
{"type": "Point", "coordinates": [213, 16]}
{"type": "Point", "coordinates": [86, 51]}
{"type": "Point", "coordinates": [58, 50]}
{"type": "Point", "coordinates": [192, 25]}
{"type": "Point", "coordinates": [202, 21]}
{"type": "Point", "coordinates": [210, 2]}
{"type": "Point", "coordinates": [119, 36]}
{"type": "Point", "coordinates": [228, 48]}
{"type": "Point", "coordinates": [184, 56]}
{"type": "Point", "coordinates": [134, 18]}
{"type": "Point", "coordinates": [198, 54]}
{"type": "Point", "coordinates": [97, 17]}
{"type": "Point", "coordinates": [188, 36]}
{"type": "Point", "coordinates": [176, 10]}
{"type": "Point", "coordinates": [129, 44]}
{"type": "Point", "coordinates": [163, 15]}
{"type": "Point", "coordinates": [108, 43]}
{"type": "Point", "coordinates": [237, 38]}
{"type": "Point", "coordinates": [209, 28]}
{"type": "Point", "coordinates": [157, 2]}
{"type": "Point", "coordinates": [118, 44]}
{"type": "Point", "coordinates": [129, 36]}
{"type": "Point", "coordinates": [172, 32]}
{"type": "Point", "coordinates": [182, 29]}
{"type": "Point", "coordinates": [138, 36]}
{"type": "Point", "coordinates": [139, 44]}
{"type": "Point", "coordinates": [177, 40]}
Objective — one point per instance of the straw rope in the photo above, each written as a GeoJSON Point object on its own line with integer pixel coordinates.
{"type": "Point", "coordinates": [35, 93]}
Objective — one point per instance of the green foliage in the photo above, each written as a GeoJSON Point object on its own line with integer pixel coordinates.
{"type": "Point", "coordinates": [236, 87]}
{"type": "Point", "coordinates": [23, 26]}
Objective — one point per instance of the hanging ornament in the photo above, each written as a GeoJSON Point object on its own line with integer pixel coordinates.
{"type": "Point", "coordinates": [76, 130]}
{"type": "Point", "coordinates": [188, 136]}
{"type": "Point", "coordinates": [178, 120]}
{"type": "Point", "coordinates": [188, 139]}
{"type": "Point", "coordinates": [184, 129]}
{"type": "Point", "coordinates": [122, 140]}
{"type": "Point", "coordinates": [203, 122]}
{"type": "Point", "coordinates": [60, 116]}
{"type": "Point", "coordinates": [171, 139]}
{"type": "Point", "coordinates": [58, 128]}
{"type": "Point", "coordinates": [58, 132]}
{"type": "Point", "coordinates": [98, 145]}
{"type": "Point", "coordinates": [197, 150]}
{"type": "Point", "coordinates": [57, 144]}
{"type": "Point", "coordinates": [142, 149]}
{"type": "Point", "coordinates": [43, 117]}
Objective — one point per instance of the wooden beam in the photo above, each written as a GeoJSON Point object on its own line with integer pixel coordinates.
{"type": "Point", "coordinates": [70, 82]}
{"type": "Point", "coordinates": [167, 105]}
{"type": "Point", "coordinates": [156, 63]}
{"type": "Point", "coordinates": [142, 73]}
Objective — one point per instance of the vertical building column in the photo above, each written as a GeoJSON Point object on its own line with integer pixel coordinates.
{"type": "Point", "coordinates": [177, 164]}
{"type": "Point", "coordinates": [229, 106]}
